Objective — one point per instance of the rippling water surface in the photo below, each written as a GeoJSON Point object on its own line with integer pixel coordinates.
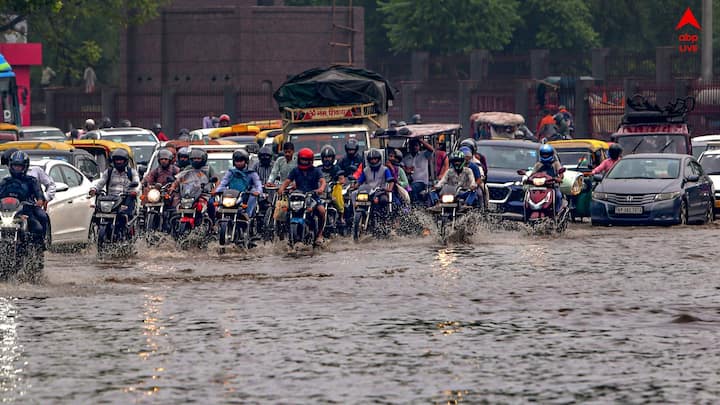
{"type": "Point", "coordinates": [598, 315]}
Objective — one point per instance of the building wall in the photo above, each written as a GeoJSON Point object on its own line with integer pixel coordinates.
{"type": "Point", "coordinates": [236, 42]}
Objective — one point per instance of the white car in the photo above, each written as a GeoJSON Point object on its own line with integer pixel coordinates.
{"type": "Point", "coordinates": [710, 162]}
{"type": "Point", "coordinates": [702, 143]}
{"type": "Point", "coordinates": [38, 133]}
{"type": "Point", "coordinates": [71, 211]}
{"type": "Point", "coordinates": [142, 141]}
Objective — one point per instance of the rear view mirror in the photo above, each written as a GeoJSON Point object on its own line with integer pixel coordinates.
{"type": "Point", "coordinates": [693, 178]}
{"type": "Point", "coordinates": [133, 184]}
{"type": "Point", "coordinates": [141, 170]}
{"type": "Point", "coordinates": [60, 187]}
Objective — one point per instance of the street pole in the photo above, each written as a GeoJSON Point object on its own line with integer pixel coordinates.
{"type": "Point", "coordinates": [706, 63]}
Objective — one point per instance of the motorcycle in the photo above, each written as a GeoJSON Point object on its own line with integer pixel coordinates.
{"type": "Point", "coordinates": [371, 213]}
{"type": "Point", "coordinates": [105, 218]}
{"type": "Point", "coordinates": [234, 224]}
{"type": "Point", "coordinates": [332, 221]}
{"type": "Point", "coordinates": [302, 221]}
{"type": "Point", "coordinates": [157, 211]}
{"type": "Point", "coordinates": [539, 202]}
{"type": "Point", "coordinates": [191, 217]}
{"type": "Point", "coordinates": [449, 210]}
{"type": "Point", "coordinates": [265, 221]}
{"type": "Point", "coordinates": [20, 252]}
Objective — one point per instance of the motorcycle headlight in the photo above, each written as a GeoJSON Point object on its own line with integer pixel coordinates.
{"type": "Point", "coordinates": [229, 202]}
{"type": "Point", "coordinates": [599, 196]}
{"type": "Point", "coordinates": [153, 195]}
{"type": "Point", "coordinates": [577, 186]}
{"type": "Point", "coordinates": [539, 181]}
{"type": "Point", "coordinates": [296, 205]}
{"type": "Point", "coordinates": [8, 220]}
{"type": "Point", "coordinates": [667, 196]}
{"type": "Point", "coordinates": [363, 197]}
{"type": "Point", "coordinates": [187, 202]}
{"type": "Point", "coordinates": [106, 206]}
{"type": "Point", "coordinates": [447, 198]}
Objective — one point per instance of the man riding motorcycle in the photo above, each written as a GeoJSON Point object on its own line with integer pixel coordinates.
{"type": "Point", "coordinates": [375, 175]}
{"type": "Point", "coordinates": [549, 165]}
{"type": "Point", "coordinates": [198, 173]}
{"type": "Point", "coordinates": [308, 179]}
{"type": "Point", "coordinates": [284, 164]}
{"type": "Point", "coordinates": [458, 176]}
{"type": "Point", "coordinates": [263, 167]}
{"type": "Point", "coordinates": [183, 158]}
{"type": "Point", "coordinates": [117, 180]}
{"type": "Point", "coordinates": [352, 160]}
{"type": "Point", "coordinates": [402, 185]}
{"type": "Point", "coordinates": [333, 173]}
{"type": "Point", "coordinates": [26, 188]}
{"type": "Point", "coordinates": [163, 174]}
{"type": "Point", "coordinates": [242, 179]}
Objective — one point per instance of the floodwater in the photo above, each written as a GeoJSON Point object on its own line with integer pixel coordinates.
{"type": "Point", "coordinates": [596, 315]}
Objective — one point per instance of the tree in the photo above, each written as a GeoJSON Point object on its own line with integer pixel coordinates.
{"type": "Point", "coordinates": [450, 26]}
{"type": "Point", "coordinates": [555, 24]}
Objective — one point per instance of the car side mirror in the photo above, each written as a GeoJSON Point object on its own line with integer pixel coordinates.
{"type": "Point", "coordinates": [60, 187]}
{"type": "Point", "coordinates": [693, 178]}
{"type": "Point", "coordinates": [598, 177]}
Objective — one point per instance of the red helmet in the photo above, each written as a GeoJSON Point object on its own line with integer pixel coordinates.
{"type": "Point", "coordinates": [224, 117]}
{"type": "Point", "coordinates": [305, 158]}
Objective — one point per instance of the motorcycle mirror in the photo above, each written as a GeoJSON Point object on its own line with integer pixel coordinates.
{"type": "Point", "coordinates": [141, 169]}
{"type": "Point", "coordinates": [134, 184]}
{"type": "Point", "coordinates": [562, 170]}
{"type": "Point", "coordinates": [521, 172]}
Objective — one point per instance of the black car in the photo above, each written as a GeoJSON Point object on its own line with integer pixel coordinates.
{"type": "Point", "coordinates": [504, 159]}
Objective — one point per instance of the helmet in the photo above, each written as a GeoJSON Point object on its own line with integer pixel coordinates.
{"type": "Point", "coordinates": [457, 160]}
{"type": "Point", "coordinates": [374, 154]}
{"type": "Point", "coordinates": [165, 154]}
{"type": "Point", "coordinates": [547, 154]}
{"type": "Point", "coordinates": [6, 156]}
{"type": "Point", "coordinates": [397, 153]}
{"type": "Point", "coordinates": [106, 123]}
{"type": "Point", "coordinates": [19, 158]}
{"type": "Point", "coordinates": [416, 119]}
{"type": "Point", "coordinates": [265, 155]}
{"type": "Point", "coordinates": [305, 158]}
{"type": "Point", "coordinates": [224, 118]}
{"type": "Point", "coordinates": [89, 123]}
{"type": "Point", "coordinates": [198, 158]}
{"type": "Point", "coordinates": [615, 151]}
{"type": "Point", "coordinates": [470, 144]}
{"type": "Point", "coordinates": [157, 128]}
{"type": "Point", "coordinates": [351, 144]}
{"type": "Point", "coordinates": [401, 123]}
{"type": "Point", "coordinates": [327, 154]}
{"type": "Point", "coordinates": [183, 156]}
{"type": "Point", "coordinates": [120, 154]}
{"type": "Point", "coordinates": [240, 155]}
{"type": "Point", "coordinates": [125, 123]}
{"type": "Point", "coordinates": [392, 124]}
{"type": "Point", "coordinates": [184, 131]}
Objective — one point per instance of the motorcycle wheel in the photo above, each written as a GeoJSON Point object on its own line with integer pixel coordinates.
{"type": "Point", "coordinates": [442, 230]}
{"type": "Point", "coordinates": [357, 225]}
{"type": "Point", "coordinates": [268, 226]}
{"type": "Point", "coordinates": [242, 235]}
{"type": "Point", "coordinates": [103, 235]}
{"type": "Point", "coordinates": [293, 233]}
{"type": "Point", "coordinates": [152, 222]}
{"type": "Point", "coordinates": [223, 237]}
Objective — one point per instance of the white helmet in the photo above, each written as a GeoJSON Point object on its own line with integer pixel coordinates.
{"type": "Point", "coordinates": [89, 121]}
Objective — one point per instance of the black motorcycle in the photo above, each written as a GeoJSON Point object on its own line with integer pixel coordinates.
{"type": "Point", "coordinates": [235, 225]}
{"type": "Point", "coordinates": [157, 212]}
{"type": "Point", "coordinates": [302, 221]}
{"type": "Point", "coordinates": [20, 251]}
{"type": "Point", "coordinates": [265, 220]}
{"type": "Point", "coordinates": [109, 233]}
{"type": "Point", "coordinates": [372, 213]}
{"type": "Point", "coordinates": [448, 211]}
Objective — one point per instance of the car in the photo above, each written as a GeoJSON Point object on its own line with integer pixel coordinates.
{"type": "Point", "coordinates": [38, 133]}
{"type": "Point", "coordinates": [71, 211]}
{"type": "Point", "coordinates": [702, 143]}
{"type": "Point", "coordinates": [653, 188]}
{"type": "Point", "coordinates": [143, 142]}
{"type": "Point", "coordinates": [710, 162]}
{"type": "Point", "coordinates": [504, 159]}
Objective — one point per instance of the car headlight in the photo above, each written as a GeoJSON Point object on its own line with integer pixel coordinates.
{"type": "Point", "coordinates": [229, 202]}
{"type": "Point", "coordinates": [599, 196]}
{"type": "Point", "coordinates": [448, 198]}
{"type": "Point", "coordinates": [538, 181]}
{"type": "Point", "coordinates": [153, 195]}
{"type": "Point", "coordinates": [363, 197]}
{"type": "Point", "coordinates": [577, 186]}
{"type": "Point", "coordinates": [106, 206]}
{"type": "Point", "coordinates": [667, 196]}
{"type": "Point", "coordinates": [296, 205]}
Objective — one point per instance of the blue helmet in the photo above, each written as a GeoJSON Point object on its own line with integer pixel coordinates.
{"type": "Point", "coordinates": [547, 154]}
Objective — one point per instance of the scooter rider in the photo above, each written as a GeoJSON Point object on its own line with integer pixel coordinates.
{"type": "Point", "coordinates": [183, 158]}
{"type": "Point", "coordinates": [26, 188]}
{"type": "Point", "coordinates": [242, 179]}
{"type": "Point", "coordinates": [263, 166]}
{"type": "Point", "coordinates": [352, 160]}
{"type": "Point", "coordinates": [376, 175]}
{"type": "Point", "coordinates": [458, 176]}
{"type": "Point", "coordinates": [333, 173]}
{"type": "Point", "coordinates": [308, 179]}
{"type": "Point", "coordinates": [117, 180]}
{"type": "Point", "coordinates": [549, 165]}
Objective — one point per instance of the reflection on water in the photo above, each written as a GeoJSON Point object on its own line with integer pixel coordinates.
{"type": "Point", "coordinates": [152, 331]}
{"type": "Point", "coordinates": [11, 380]}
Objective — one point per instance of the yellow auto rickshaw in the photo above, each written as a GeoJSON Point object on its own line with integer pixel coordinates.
{"type": "Point", "coordinates": [101, 150]}
{"type": "Point", "coordinates": [9, 133]}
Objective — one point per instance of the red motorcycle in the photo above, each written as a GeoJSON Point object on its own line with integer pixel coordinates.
{"type": "Point", "coordinates": [539, 207]}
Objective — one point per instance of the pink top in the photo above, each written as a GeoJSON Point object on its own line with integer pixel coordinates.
{"type": "Point", "coordinates": [605, 166]}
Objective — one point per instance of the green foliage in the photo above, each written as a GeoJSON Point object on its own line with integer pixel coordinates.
{"type": "Point", "coordinates": [449, 26]}
{"type": "Point", "coordinates": [555, 24]}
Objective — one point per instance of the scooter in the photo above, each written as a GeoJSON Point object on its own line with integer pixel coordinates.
{"type": "Point", "coordinates": [539, 202]}
{"type": "Point", "coordinates": [21, 252]}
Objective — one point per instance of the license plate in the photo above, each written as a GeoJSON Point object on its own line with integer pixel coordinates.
{"type": "Point", "coordinates": [628, 210]}
{"type": "Point", "coordinates": [492, 206]}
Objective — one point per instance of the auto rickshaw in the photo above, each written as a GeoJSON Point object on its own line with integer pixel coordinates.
{"type": "Point", "coordinates": [9, 133]}
{"type": "Point", "coordinates": [581, 155]}
{"type": "Point", "coordinates": [101, 150]}
{"type": "Point", "coordinates": [499, 125]}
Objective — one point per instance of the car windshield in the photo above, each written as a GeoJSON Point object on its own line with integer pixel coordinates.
{"type": "Point", "coordinates": [654, 168]}
{"type": "Point", "coordinates": [574, 159]}
{"type": "Point", "coordinates": [336, 140]}
{"type": "Point", "coordinates": [43, 135]}
{"type": "Point", "coordinates": [508, 157]}
{"type": "Point", "coordinates": [711, 163]}
{"type": "Point", "coordinates": [38, 155]}
{"type": "Point", "coordinates": [653, 143]}
{"type": "Point", "coordinates": [142, 154]}
{"type": "Point", "coordinates": [133, 137]}
{"type": "Point", "coordinates": [220, 165]}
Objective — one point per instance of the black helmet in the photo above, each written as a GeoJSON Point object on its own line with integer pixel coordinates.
{"type": "Point", "coordinates": [392, 124]}
{"type": "Point", "coordinates": [198, 158]}
{"type": "Point", "coordinates": [106, 123]}
{"type": "Point", "coordinates": [120, 155]}
{"type": "Point", "coordinates": [374, 154]}
{"type": "Point", "coordinates": [19, 158]}
{"type": "Point", "coordinates": [184, 131]}
{"type": "Point", "coordinates": [157, 128]}
{"type": "Point", "coordinates": [165, 154]}
{"type": "Point", "coordinates": [265, 155]}
{"type": "Point", "coordinates": [351, 144]}
{"type": "Point", "coordinates": [125, 123]}
{"type": "Point", "coordinates": [327, 155]}
{"type": "Point", "coordinates": [6, 156]}
{"type": "Point", "coordinates": [457, 160]}
{"type": "Point", "coordinates": [615, 151]}
{"type": "Point", "coordinates": [416, 119]}
{"type": "Point", "coordinates": [240, 155]}
{"type": "Point", "coordinates": [470, 144]}
{"type": "Point", "coordinates": [183, 157]}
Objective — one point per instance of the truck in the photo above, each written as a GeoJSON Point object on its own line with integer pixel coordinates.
{"type": "Point", "coordinates": [10, 103]}
{"type": "Point", "coordinates": [329, 106]}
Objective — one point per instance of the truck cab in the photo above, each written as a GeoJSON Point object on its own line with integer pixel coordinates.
{"type": "Point", "coordinates": [334, 135]}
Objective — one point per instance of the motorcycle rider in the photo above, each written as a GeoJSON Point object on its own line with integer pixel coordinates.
{"type": "Point", "coordinates": [106, 123]}
{"type": "Point", "coordinates": [458, 176]}
{"type": "Point", "coordinates": [163, 174]}
{"type": "Point", "coordinates": [117, 180]}
{"type": "Point", "coordinates": [264, 165]}
{"type": "Point", "coordinates": [615, 154]}
{"type": "Point", "coordinates": [197, 173]}
{"type": "Point", "coordinates": [34, 171]}
{"type": "Point", "coordinates": [308, 179]}
{"type": "Point", "coordinates": [417, 166]}
{"type": "Point", "coordinates": [549, 165]}
{"type": "Point", "coordinates": [352, 161]}
{"type": "Point", "coordinates": [477, 157]}
{"type": "Point", "coordinates": [89, 125]}
{"type": "Point", "coordinates": [375, 175]}
{"type": "Point", "coordinates": [26, 188]}
{"type": "Point", "coordinates": [183, 158]}
{"type": "Point", "coordinates": [284, 164]}
{"type": "Point", "coordinates": [333, 173]}
{"type": "Point", "coordinates": [157, 130]}
{"type": "Point", "coordinates": [242, 179]}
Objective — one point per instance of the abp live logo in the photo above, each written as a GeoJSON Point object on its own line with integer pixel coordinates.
{"type": "Point", "coordinates": [688, 42]}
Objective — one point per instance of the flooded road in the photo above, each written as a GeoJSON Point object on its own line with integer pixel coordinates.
{"type": "Point", "coordinates": [597, 315]}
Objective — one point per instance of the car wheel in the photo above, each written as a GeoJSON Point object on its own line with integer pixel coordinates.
{"type": "Point", "coordinates": [709, 214]}
{"type": "Point", "coordinates": [683, 213]}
